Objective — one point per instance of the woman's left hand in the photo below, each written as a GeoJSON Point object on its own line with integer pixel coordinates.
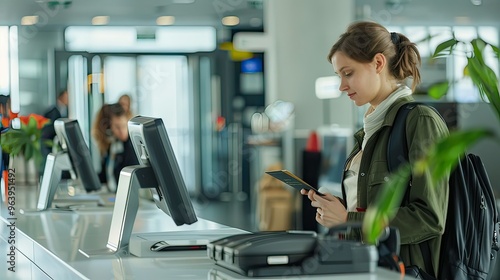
{"type": "Point", "coordinates": [329, 210]}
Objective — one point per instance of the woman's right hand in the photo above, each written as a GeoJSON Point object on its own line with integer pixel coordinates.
{"type": "Point", "coordinates": [308, 193]}
{"type": "Point", "coordinates": [329, 209]}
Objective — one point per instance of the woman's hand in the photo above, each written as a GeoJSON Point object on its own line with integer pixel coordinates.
{"type": "Point", "coordinates": [329, 210]}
